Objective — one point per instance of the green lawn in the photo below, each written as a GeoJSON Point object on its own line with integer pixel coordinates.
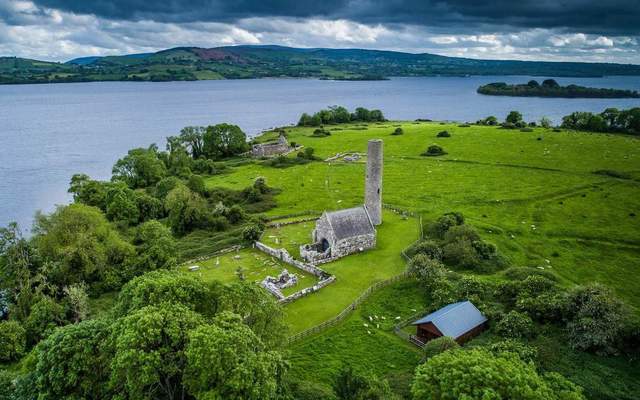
{"type": "Point", "coordinates": [535, 194]}
{"type": "Point", "coordinates": [255, 265]}
{"type": "Point", "coordinates": [365, 341]}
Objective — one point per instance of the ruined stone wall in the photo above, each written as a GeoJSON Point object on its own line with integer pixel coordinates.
{"type": "Point", "coordinates": [269, 149]}
{"type": "Point", "coordinates": [373, 181]}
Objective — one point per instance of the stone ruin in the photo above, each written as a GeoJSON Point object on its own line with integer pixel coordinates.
{"type": "Point", "coordinates": [281, 146]}
{"type": "Point", "coordinates": [282, 281]}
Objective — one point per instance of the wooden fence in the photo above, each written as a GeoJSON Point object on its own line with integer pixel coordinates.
{"type": "Point", "coordinates": [406, 336]}
{"type": "Point", "coordinates": [349, 309]}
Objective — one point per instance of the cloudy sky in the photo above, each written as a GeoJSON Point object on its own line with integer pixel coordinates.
{"type": "Point", "coordinates": [563, 30]}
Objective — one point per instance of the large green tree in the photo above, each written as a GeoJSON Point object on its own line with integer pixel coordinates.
{"type": "Point", "coordinates": [173, 287]}
{"type": "Point", "coordinates": [140, 168]}
{"type": "Point", "coordinates": [72, 363]}
{"type": "Point", "coordinates": [226, 360]}
{"type": "Point", "coordinates": [155, 246]}
{"type": "Point", "coordinates": [82, 246]}
{"type": "Point", "coordinates": [149, 356]}
{"type": "Point", "coordinates": [224, 140]}
{"type": "Point", "coordinates": [187, 210]}
{"type": "Point", "coordinates": [12, 340]}
{"type": "Point", "coordinates": [479, 374]}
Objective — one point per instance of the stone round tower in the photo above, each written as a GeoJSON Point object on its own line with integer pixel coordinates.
{"type": "Point", "coordinates": [373, 182]}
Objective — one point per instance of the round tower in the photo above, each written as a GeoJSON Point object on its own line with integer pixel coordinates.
{"type": "Point", "coordinates": [373, 181]}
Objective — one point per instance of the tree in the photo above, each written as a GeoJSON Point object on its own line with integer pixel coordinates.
{"type": "Point", "coordinates": [72, 363]}
{"type": "Point", "coordinates": [45, 315]}
{"type": "Point", "coordinates": [166, 287]}
{"type": "Point", "coordinates": [226, 360]}
{"type": "Point", "coordinates": [597, 320]}
{"type": "Point", "coordinates": [148, 347]}
{"type": "Point", "coordinates": [6, 386]}
{"type": "Point", "coordinates": [89, 192]}
{"type": "Point", "coordinates": [350, 385]}
{"type": "Point", "coordinates": [196, 184]}
{"type": "Point", "coordinates": [12, 341]}
{"type": "Point", "coordinates": [191, 137]}
{"type": "Point", "coordinates": [545, 122]}
{"type": "Point", "coordinates": [149, 207]}
{"type": "Point", "coordinates": [478, 374]}
{"type": "Point", "coordinates": [122, 205]}
{"type": "Point", "coordinates": [514, 117]}
{"type": "Point", "coordinates": [77, 301]}
{"type": "Point", "coordinates": [258, 310]}
{"type": "Point", "coordinates": [155, 247]}
{"type": "Point", "coordinates": [550, 83]}
{"type": "Point", "coordinates": [533, 83]}
{"type": "Point", "coordinates": [224, 140]}
{"type": "Point", "coordinates": [187, 210]}
{"type": "Point", "coordinates": [428, 270]}
{"type": "Point", "coordinates": [82, 246]}
{"type": "Point", "coordinates": [253, 232]}
{"type": "Point", "coordinates": [140, 168]}
{"type": "Point", "coordinates": [524, 352]}
{"type": "Point", "coordinates": [439, 345]}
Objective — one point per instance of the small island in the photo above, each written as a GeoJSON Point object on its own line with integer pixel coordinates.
{"type": "Point", "coordinates": [551, 88]}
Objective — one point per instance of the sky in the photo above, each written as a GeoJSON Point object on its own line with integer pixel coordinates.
{"type": "Point", "coordinates": [549, 30]}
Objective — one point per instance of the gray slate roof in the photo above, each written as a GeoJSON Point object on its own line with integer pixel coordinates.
{"type": "Point", "coordinates": [350, 222]}
{"type": "Point", "coordinates": [455, 319]}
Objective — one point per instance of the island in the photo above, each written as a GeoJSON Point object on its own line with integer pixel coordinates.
{"type": "Point", "coordinates": [551, 88]}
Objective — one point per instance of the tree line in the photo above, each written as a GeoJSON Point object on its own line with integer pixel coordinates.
{"type": "Point", "coordinates": [340, 115]}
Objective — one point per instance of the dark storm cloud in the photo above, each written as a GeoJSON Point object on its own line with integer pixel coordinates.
{"type": "Point", "coordinates": [588, 16]}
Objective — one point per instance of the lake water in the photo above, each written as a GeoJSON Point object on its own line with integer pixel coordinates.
{"type": "Point", "coordinates": [50, 132]}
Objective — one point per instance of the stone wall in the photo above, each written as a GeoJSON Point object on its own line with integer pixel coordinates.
{"type": "Point", "coordinates": [353, 244]}
{"type": "Point", "coordinates": [284, 256]}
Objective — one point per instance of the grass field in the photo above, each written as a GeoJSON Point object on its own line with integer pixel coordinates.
{"type": "Point", "coordinates": [255, 266]}
{"type": "Point", "coordinates": [535, 194]}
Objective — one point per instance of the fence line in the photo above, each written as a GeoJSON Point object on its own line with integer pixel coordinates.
{"type": "Point", "coordinates": [349, 309]}
{"type": "Point", "coordinates": [406, 336]}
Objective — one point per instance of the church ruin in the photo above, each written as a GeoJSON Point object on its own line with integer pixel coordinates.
{"type": "Point", "coordinates": [351, 230]}
{"type": "Point", "coordinates": [271, 149]}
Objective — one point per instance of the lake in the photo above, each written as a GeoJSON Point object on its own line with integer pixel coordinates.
{"type": "Point", "coordinates": [50, 132]}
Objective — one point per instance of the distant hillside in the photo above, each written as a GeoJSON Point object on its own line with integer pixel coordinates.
{"type": "Point", "coordinates": [241, 62]}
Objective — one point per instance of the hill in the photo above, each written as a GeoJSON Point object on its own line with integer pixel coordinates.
{"type": "Point", "coordinates": [241, 62]}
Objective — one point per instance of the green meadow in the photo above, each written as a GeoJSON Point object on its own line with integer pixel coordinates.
{"type": "Point", "coordinates": [537, 195]}
{"type": "Point", "coordinates": [564, 202]}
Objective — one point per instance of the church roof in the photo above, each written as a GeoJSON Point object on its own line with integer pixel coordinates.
{"type": "Point", "coordinates": [350, 222]}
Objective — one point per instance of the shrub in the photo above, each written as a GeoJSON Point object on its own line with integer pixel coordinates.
{"type": "Point", "coordinates": [426, 269]}
{"type": "Point", "coordinates": [514, 117]}
{"type": "Point", "coordinates": [460, 253]}
{"type": "Point", "coordinates": [597, 321]}
{"type": "Point", "coordinates": [434, 150]}
{"type": "Point", "coordinates": [522, 273]}
{"type": "Point", "coordinates": [439, 345]}
{"type": "Point", "coordinates": [429, 248]}
{"type": "Point", "coordinates": [321, 132]}
{"type": "Point", "coordinates": [45, 315]}
{"type": "Point", "coordinates": [508, 125]}
{"type": "Point", "coordinates": [252, 232]}
{"type": "Point", "coordinates": [515, 325]}
{"type": "Point", "coordinates": [12, 340]}
{"type": "Point", "coordinates": [443, 134]}
{"type": "Point", "coordinates": [461, 232]}
{"type": "Point", "coordinates": [397, 132]}
{"type": "Point", "coordinates": [444, 223]}
{"type": "Point", "coordinates": [524, 352]}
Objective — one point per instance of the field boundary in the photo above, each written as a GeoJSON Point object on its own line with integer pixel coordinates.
{"type": "Point", "coordinates": [397, 329]}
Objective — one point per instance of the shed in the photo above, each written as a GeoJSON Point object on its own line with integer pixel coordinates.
{"type": "Point", "coordinates": [461, 321]}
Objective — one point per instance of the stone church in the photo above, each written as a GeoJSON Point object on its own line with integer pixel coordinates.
{"type": "Point", "coordinates": [351, 230]}
{"type": "Point", "coordinates": [281, 146]}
